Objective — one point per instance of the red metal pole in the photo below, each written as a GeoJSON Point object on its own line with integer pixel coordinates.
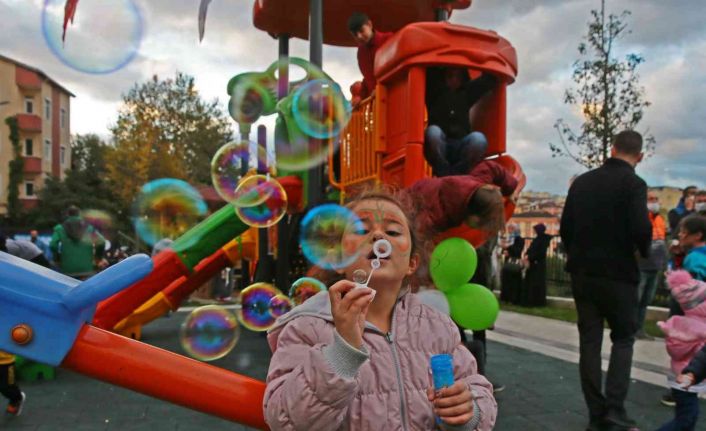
{"type": "Point", "coordinates": [165, 375]}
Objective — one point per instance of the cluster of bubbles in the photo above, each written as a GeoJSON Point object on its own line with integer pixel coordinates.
{"type": "Point", "coordinates": [211, 332]}
{"type": "Point", "coordinates": [166, 208]}
{"type": "Point", "coordinates": [310, 118]}
{"type": "Point", "coordinates": [259, 200]}
{"type": "Point", "coordinates": [266, 199]}
{"type": "Point", "coordinates": [101, 38]}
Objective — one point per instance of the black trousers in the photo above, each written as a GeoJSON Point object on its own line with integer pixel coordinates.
{"type": "Point", "coordinates": [8, 387]}
{"type": "Point", "coordinates": [600, 299]}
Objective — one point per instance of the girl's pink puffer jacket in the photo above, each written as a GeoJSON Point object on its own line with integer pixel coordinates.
{"type": "Point", "coordinates": [316, 381]}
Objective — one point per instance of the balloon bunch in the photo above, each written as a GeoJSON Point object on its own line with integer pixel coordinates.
{"type": "Point", "coordinates": [453, 263]}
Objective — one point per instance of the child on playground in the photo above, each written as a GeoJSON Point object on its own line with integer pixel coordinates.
{"type": "Point", "coordinates": [686, 335]}
{"type": "Point", "coordinates": [8, 385]}
{"type": "Point", "coordinates": [358, 357]}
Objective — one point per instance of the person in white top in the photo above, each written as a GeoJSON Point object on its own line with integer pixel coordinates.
{"type": "Point", "coordinates": [24, 250]}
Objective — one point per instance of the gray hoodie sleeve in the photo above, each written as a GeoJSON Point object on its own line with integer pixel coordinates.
{"type": "Point", "coordinates": [344, 358]}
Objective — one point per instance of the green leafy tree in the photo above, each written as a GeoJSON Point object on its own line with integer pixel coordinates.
{"type": "Point", "coordinates": [607, 90]}
{"type": "Point", "coordinates": [85, 185]}
{"type": "Point", "coordinates": [165, 129]}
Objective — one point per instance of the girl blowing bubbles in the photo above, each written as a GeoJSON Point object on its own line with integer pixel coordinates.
{"type": "Point", "coordinates": [358, 358]}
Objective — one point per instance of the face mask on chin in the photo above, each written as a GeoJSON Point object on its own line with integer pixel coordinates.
{"type": "Point", "coordinates": [653, 207]}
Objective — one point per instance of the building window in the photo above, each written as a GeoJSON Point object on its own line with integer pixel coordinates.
{"type": "Point", "coordinates": [47, 109]}
{"type": "Point", "coordinates": [29, 105]}
{"type": "Point", "coordinates": [29, 188]}
{"type": "Point", "coordinates": [62, 155]}
{"type": "Point", "coordinates": [47, 150]}
{"type": "Point", "coordinates": [29, 147]}
{"type": "Point", "coordinates": [63, 118]}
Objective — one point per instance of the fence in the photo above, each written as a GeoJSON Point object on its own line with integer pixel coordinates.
{"type": "Point", "coordinates": [559, 282]}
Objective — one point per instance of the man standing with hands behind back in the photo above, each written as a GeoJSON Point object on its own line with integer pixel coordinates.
{"type": "Point", "coordinates": [604, 224]}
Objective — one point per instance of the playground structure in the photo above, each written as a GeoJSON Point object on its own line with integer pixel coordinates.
{"type": "Point", "coordinates": [57, 320]}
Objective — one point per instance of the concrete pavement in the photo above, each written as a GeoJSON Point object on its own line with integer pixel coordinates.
{"type": "Point", "coordinates": [534, 357]}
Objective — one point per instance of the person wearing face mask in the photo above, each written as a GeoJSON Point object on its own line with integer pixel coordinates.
{"type": "Point", "coordinates": [684, 208]}
{"type": "Point", "coordinates": [651, 266]}
{"type": "Point", "coordinates": [700, 202]}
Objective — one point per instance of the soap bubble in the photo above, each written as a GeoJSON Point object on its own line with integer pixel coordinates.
{"type": "Point", "coordinates": [209, 333]}
{"type": "Point", "coordinates": [305, 288]}
{"type": "Point", "coordinates": [320, 109]}
{"type": "Point", "coordinates": [255, 313]}
{"type": "Point", "coordinates": [227, 169]}
{"type": "Point", "coordinates": [167, 208]}
{"type": "Point", "coordinates": [360, 276]}
{"type": "Point", "coordinates": [269, 197]}
{"type": "Point", "coordinates": [322, 236]}
{"type": "Point", "coordinates": [102, 38]}
{"type": "Point", "coordinates": [100, 220]}
{"type": "Point", "coordinates": [280, 305]}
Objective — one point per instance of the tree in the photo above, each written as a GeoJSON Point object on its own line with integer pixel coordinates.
{"type": "Point", "coordinates": [14, 207]}
{"type": "Point", "coordinates": [85, 185]}
{"type": "Point", "coordinates": [607, 90]}
{"type": "Point", "coordinates": [165, 129]}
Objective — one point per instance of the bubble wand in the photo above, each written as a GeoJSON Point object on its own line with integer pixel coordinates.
{"type": "Point", "coordinates": [382, 249]}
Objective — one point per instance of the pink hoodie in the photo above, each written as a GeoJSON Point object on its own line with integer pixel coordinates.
{"type": "Point", "coordinates": [685, 335]}
{"type": "Point", "coordinates": [318, 382]}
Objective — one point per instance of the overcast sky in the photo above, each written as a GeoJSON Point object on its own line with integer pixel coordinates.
{"type": "Point", "coordinates": [670, 35]}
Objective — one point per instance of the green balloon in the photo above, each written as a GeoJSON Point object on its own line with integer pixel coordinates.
{"type": "Point", "coordinates": [473, 306]}
{"type": "Point", "coordinates": [453, 262]}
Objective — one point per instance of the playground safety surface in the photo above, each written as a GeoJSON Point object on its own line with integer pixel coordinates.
{"type": "Point", "coordinates": [543, 393]}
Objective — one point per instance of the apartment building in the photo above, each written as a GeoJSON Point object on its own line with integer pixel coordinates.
{"type": "Point", "coordinates": [42, 109]}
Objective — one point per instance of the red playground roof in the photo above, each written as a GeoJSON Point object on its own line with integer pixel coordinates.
{"type": "Point", "coordinates": [292, 16]}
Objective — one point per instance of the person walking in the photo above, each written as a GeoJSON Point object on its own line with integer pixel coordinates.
{"type": "Point", "coordinates": [8, 385]}
{"type": "Point", "coordinates": [604, 223]}
{"type": "Point", "coordinates": [651, 267]}
{"type": "Point", "coordinates": [535, 284]}
{"type": "Point", "coordinates": [76, 245]}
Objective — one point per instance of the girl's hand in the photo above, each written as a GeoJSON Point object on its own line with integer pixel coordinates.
{"type": "Point", "coordinates": [349, 307]}
{"type": "Point", "coordinates": [454, 405]}
{"type": "Point", "coordinates": [686, 380]}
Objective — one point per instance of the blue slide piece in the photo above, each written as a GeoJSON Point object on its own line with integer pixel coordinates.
{"type": "Point", "coordinates": [53, 305]}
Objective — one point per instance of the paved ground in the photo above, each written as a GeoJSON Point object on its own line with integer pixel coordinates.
{"type": "Point", "coordinates": [542, 391]}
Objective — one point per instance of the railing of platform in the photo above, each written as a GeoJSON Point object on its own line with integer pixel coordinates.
{"type": "Point", "coordinates": [356, 156]}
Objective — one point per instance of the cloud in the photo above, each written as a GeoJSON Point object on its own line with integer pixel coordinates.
{"type": "Point", "coordinates": [545, 33]}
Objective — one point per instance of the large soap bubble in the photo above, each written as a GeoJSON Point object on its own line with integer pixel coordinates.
{"type": "Point", "coordinates": [103, 36]}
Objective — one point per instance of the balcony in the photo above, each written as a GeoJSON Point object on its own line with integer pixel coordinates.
{"type": "Point", "coordinates": [29, 123]}
{"type": "Point", "coordinates": [29, 203]}
{"type": "Point", "coordinates": [27, 79]}
{"type": "Point", "coordinates": [32, 165]}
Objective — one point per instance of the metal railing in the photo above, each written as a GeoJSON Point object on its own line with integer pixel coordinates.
{"type": "Point", "coordinates": [358, 161]}
{"type": "Point", "coordinates": [559, 281]}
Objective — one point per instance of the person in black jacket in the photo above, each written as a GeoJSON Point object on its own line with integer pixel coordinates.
{"type": "Point", "coordinates": [603, 225]}
{"type": "Point", "coordinates": [449, 146]}
{"type": "Point", "coordinates": [535, 285]}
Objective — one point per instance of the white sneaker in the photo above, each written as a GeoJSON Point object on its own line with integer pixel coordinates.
{"type": "Point", "coordinates": [16, 410]}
